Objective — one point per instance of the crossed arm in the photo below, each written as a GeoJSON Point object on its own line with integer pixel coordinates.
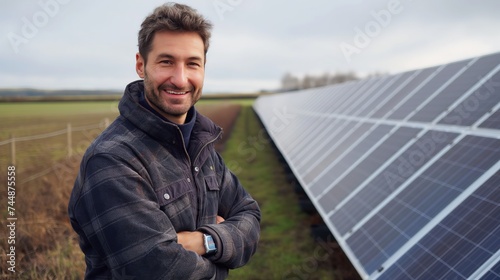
{"type": "Point", "coordinates": [105, 212]}
{"type": "Point", "coordinates": [193, 240]}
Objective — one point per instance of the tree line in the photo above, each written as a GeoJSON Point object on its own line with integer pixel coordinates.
{"type": "Point", "coordinates": [290, 82]}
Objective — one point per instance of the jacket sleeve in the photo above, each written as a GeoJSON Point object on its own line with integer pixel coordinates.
{"type": "Point", "coordinates": [119, 220]}
{"type": "Point", "coordinates": [238, 236]}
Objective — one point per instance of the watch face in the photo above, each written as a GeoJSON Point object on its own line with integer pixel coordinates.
{"type": "Point", "coordinates": [210, 244]}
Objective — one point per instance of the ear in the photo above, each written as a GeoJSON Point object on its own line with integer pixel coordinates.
{"type": "Point", "coordinates": [139, 65]}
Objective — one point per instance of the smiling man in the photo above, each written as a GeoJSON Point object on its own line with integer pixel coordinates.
{"type": "Point", "coordinates": [173, 77]}
{"type": "Point", "coordinates": [153, 199]}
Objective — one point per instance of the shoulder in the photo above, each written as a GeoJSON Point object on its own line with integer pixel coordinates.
{"type": "Point", "coordinates": [203, 123]}
{"type": "Point", "coordinates": [121, 139]}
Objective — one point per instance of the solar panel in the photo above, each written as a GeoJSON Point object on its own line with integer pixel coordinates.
{"type": "Point", "coordinates": [404, 168]}
{"type": "Point", "coordinates": [471, 232]}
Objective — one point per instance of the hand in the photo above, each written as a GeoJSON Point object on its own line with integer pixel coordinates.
{"type": "Point", "coordinates": [192, 241]}
{"type": "Point", "coordinates": [219, 219]}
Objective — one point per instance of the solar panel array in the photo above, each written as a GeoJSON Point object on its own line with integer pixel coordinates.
{"type": "Point", "coordinates": [404, 169]}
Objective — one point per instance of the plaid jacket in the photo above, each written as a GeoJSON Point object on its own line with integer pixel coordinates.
{"type": "Point", "coordinates": [137, 186]}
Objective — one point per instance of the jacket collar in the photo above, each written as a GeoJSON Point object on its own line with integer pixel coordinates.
{"type": "Point", "coordinates": [203, 132]}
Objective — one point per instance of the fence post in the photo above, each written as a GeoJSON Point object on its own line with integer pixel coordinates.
{"type": "Point", "coordinates": [13, 149]}
{"type": "Point", "coordinates": [70, 145]}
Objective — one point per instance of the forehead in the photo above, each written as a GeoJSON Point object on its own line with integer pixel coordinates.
{"type": "Point", "coordinates": [177, 44]}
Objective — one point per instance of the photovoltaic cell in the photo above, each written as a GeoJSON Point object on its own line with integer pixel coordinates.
{"type": "Point", "coordinates": [462, 83]}
{"type": "Point", "coordinates": [393, 87]}
{"type": "Point", "coordinates": [306, 131]}
{"type": "Point", "coordinates": [384, 110]}
{"type": "Point", "coordinates": [403, 169]}
{"type": "Point", "coordinates": [377, 91]}
{"type": "Point", "coordinates": [390, 179]}
{"type": "Point", "coordinates": [358, 97]}
{"type": "Point", "coordinates": [325, 130]}
{"type": "Point", "coordinates": [440, 77]}
{"type": "Point", "coordinates": [422, 200]}
{"type": "Point", "coordinates": [463, 241]}
{"type": "Point", "coordinates": [364, 169]}
{"type": "Point", "coordinates": [328, 155]}
{"type": "Point", "coordinates": [493, 121]}
{"type": "Point", "coordinates": [348, 156]}
{"type": "Point", "coordinates": [480, 102]}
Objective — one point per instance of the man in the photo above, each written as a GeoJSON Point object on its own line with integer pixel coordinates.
{"type": "Point", "coordinates": [153, 200]}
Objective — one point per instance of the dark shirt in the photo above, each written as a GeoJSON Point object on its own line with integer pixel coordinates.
{"type": "Point", "coordinates": [185, 128]}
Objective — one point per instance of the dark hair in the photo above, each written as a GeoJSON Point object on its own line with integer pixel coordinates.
{"type": "Point", "coordinates": [172, 17]}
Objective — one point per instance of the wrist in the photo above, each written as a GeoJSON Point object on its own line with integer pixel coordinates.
{"type": "Point", "coordinates": [192, 241]}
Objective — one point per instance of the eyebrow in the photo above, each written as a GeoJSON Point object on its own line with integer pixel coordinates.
{"type": "Point", "coordinates": [169, 56]}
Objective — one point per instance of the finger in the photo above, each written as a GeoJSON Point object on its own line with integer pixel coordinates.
{"type": "Point", "coordinates": [219, 219]}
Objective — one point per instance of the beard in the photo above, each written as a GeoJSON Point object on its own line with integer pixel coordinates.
{"type": "Point", "coordinates": [161, 103]}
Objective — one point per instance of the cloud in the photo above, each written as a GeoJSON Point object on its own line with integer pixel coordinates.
{"type": "Point", "coordinates": [92, 44]}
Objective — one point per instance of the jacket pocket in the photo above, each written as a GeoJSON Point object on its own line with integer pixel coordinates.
{"type": "Point", "coordinates": [212, 183]}
{"type": "Point", "coordinates": [211, 203]}
{"type": "Point", "coordinates": [177, 202]}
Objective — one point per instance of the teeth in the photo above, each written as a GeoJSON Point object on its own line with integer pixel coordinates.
{"type": "Point", "coordinates": [176, 93]}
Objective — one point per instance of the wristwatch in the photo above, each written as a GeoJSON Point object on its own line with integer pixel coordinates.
{"type": "Point", "coordinates": [209, 244]}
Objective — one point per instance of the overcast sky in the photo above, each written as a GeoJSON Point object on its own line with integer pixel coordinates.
{"type": "Point", "coordinates": [76, 44]}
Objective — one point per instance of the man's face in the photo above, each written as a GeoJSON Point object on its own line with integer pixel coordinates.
{"type": "Point", "coordinates": [174, 73]}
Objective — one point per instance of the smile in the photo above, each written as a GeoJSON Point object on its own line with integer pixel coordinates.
{"type": "Point", "coordinates": [176, 92]}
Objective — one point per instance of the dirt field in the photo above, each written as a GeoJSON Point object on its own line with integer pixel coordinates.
{"type": "Point", "coordinates": [224, 115]}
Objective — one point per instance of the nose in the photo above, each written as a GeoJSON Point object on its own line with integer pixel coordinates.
{"type": "Point", "coordinates": [179, 77]}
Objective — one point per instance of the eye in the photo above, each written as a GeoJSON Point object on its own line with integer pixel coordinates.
{"type": "Point", "coordinates": [194, 64]}
{"type": "Point", "coordinates": [167, 62]}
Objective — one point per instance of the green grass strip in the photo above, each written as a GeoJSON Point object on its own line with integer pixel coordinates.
{"type": "Point", "coordinates": [286, 249]}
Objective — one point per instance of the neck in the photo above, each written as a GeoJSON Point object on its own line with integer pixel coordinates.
{"type": "Point", "coordinates": [180, 119]}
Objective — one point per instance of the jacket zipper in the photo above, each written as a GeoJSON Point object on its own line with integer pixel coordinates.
{"type": "Point", "coordinates": [201, 193]}
{"type": "Point", "coordinates": [206, 144]}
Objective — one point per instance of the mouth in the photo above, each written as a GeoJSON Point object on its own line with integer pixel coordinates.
{"type": "Point", "coordinates": [175, 92]}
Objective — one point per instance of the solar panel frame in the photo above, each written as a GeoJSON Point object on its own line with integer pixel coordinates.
{"type": "Point", "coordinates": [493, 273]}
{"type": "Point", "coordinates": [493, 121]}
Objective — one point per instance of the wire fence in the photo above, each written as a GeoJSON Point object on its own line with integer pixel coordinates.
{"type": "Point", "coordinates": [69, 130]}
